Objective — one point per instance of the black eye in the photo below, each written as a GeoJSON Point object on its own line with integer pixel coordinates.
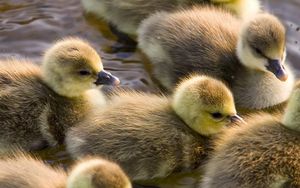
{"type": "Point", "coordinates": [258, 51]}
{"type": "Point", "coordinates": [217, 115]}
{"type": "Point", "coordinates": [84, 72]}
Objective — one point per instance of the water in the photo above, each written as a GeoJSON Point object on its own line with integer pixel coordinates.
{"type": "Point", "coordinates": [28, 27]}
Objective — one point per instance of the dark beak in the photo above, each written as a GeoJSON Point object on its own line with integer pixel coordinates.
{"type": "Point", "coordinates": [277, 69]}
{"type": "Point", "coordinates": [106, 78]}
{"type": "Point", "coordinates": [236, 119]}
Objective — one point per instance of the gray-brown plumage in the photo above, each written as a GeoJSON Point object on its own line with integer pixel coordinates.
{"type": "Point", "coordinates": [126, 15]}
{"type": "Point", "coordinates": [97, 173]}
{"type": "Point", "coordinates": [153, 136]}
{"type": "Point", "coordinates": [249, 57]}
{"type": "Point", "coordinates": [37, 105]}
{"type": "Point", "coordinates": [24, 171]}
{"type": "Point", "coordinates": [263, 153]}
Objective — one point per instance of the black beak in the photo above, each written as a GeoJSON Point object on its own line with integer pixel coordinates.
{"type": "Point", "coordinates": [106, 78]}
{"type": "Point", "coordinates": [236, 119]}
{"type": "Point", "coordinates": [277, 69]}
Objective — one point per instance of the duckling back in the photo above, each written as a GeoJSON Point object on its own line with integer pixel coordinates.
{"type": "Point", "coordinates": [19, 170]}
{"type": "Point", "coordinates": [178, 47]}
{"type": "Point", "coordinates": [260, 154]}
{"type": "Point", "coordinates": [31, 113]}
{"type": "Point", "coordinates": [21, 93]}
{"type": "Point", "coordinates": [139, 131]}
{"type": "Point", "coordinates": [22, 171]}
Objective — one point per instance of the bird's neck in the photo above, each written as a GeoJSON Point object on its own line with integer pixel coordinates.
{"type": "Point", "coordinates": [259, 90]}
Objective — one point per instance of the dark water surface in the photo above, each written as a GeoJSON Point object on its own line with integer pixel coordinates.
{"type": "Point", "coordinates": [28, 27]}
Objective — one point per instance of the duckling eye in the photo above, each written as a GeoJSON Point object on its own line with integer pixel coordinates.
{"type": "Point", "coordinates": [217, 115]}
{"type": "Point", "coordinates": [258, 51]}
{"type": "Point", "coordinates": [85, 73]}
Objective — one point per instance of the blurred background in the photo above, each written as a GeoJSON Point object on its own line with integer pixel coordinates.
{"type": "Point", "coordinates": [28, 27]}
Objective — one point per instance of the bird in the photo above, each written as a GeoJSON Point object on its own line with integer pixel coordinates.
{"type": "Point", "coordinates": [39, 103]}
{"type": "Point", "coordinates": [151, 136]}
{"type": "Point", "coordinates": [97, 172]}
{"type": "Point", "coordinates": [264, 153]}
{"type": "Point", "coordinates": [127, 15]}
{"type": "Point", "coordinates": [248, 56]}
{"type": "Point", "coordinates": [24, 171]}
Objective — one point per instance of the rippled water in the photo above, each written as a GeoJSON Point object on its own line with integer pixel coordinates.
{"type": "Point", "coordinates": [28, 27]}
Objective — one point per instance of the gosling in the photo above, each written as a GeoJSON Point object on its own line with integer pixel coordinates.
{"type": "Point", "coordinates": [153, 136]}
{"type": "Point", "coordinates": [23, 171]}
{"type": "Point", "coordinates": [38, 105]}
{"type": "Point", "coordinates": [249, 57]}
{"type": "Point", "coordinates": [265, 153]}
{"type": "Point", "coordinates": [126, 15]}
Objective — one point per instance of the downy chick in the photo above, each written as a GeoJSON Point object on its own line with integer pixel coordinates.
{"type": "Point", "coordinates": [248, 56]}
{"type": "Point", "coordinates": [38, 105]}
{"type": "Point", "coordinates": [24, 171]}
{"type": "Point", "coordinates": [264, 153]}
{"type": "Point", "coordinates": [153, 136]}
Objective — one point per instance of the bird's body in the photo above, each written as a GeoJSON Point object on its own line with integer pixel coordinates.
{"type": "Point", "coordinates": [140, 132]}
{"type": "Point", "coordinates": [205, 40]}
{"type": "Point", "coordinates": [38, 104]}
{"type": "Point", "coordinates": [24, 171]}
{"type": "Point", "coordinates": [263, 153]}
{"type": "Point", "coordinates": [126, 15]}
{"type": "Point", "coordinates": [30, 111]}
{"type": "Point", "coordinates": [153, 136]}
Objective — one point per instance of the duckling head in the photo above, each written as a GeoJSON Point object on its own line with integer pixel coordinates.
{"type": "Point", "coordinates": [72, 66]}
{"type": "Point", "coordinates": [204, 104]}
{"type": "Point", "coordinates": [291, 118]}
{"type": "Point", "coordinates": [261, 45]}
{"type": "Point", "coordinates": [96, 173]}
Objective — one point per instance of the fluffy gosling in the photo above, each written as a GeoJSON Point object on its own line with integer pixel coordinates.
{"type": "Point", "coordinates": [23, 171]}
{"type": "Point", "coordinates": [265, 153]}
{"type": "Point", "coordinates": [248, 56]}
{"type": "Point", "coordinates": [153, 136]}
{"type": "Point", "coordinates": [38, 105]}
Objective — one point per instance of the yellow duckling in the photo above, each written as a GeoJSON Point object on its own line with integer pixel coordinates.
{"type": "Point", "coordinates": [23, 171]}
{"type": "Point", "coordinates": [126, 15]}
{"type": "Point", "coordinates": [249, 57]}
{"type": "Point", "coordinates": [264, 153]}
{"type": "Point", "coordinates": [37, 105]}
{"type": "Point", "coordinates": [153, 136]}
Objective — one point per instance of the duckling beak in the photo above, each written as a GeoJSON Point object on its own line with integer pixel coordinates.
{"type": "Point", "coordinates": [275, 66]}
{"type": "Point", "coordinates": [236, 119]}
{"type": "Point", "coordinates": [106, 78]}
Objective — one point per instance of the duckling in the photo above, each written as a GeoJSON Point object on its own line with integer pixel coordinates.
{"type": "Point", "coordinates": [139, 131]}
{"type": "Point", "coordinates": [126, 15]}
{"type": "Point", "coordinates": [265, 153]}
{"type": "Point", "coordinates": [249, 57]}
{"type": "Point", "coordinates": [24, 171]}
{"type": "Point", "coordinates": [37, 105]}
{"type": "Point", "coordinates": [97, 173]}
